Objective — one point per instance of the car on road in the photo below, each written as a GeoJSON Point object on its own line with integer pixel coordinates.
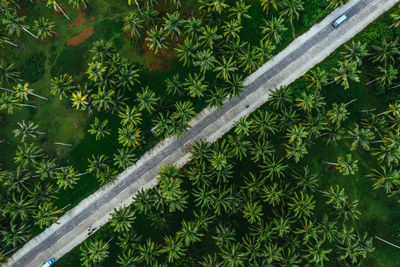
{"type": "Point", "coordinates": [49, 262]}
{"type": "Point", "coordinates": [339, 21]}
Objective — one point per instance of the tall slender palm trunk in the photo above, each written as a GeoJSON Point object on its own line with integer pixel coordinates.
{"type": "Point", "coordinates": [28, 31]}
{"type": "Point", "coordinates": [62, 11]}
{"type": "Point", "coordinates": [11, 43]}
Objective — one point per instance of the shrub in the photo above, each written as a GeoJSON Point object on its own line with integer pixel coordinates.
{"type": "Point", "coordinates": [32, 69]}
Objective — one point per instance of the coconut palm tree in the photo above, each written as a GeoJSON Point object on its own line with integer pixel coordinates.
{"type": "Point", "coordinates": [231, 29]}
{"type": "Point", "coordinates": [129, 136]}
{"type": "Point", "coordinates": [264, 51]}
{"type": "Point", "coordinates": [239, 11]}
{"type": "Point", "coordinates": [78, 4]}
{"type": "Point", "coordinates": [204, 196]}
{"type": "Point", "coordinates": [337, 3]}
{"type": "Point", "coordinates": [355, 52]}
{"type": "Point", "coordinates": [150, 17]}
{"type": "Point", "coordinates": [124, 158]}
{"type": "Point", "coordinates": [274, 168]}
{"type": "Point", "coordinates": [186, 51]}
{"type": "Point", "coordinates": [67, 177]}
{"type": "Point", "coordinates": [156, 38]}
{"type": "Point", "coordinates": [62, 85]}
{"type": "Point", "coordinates": [205, 60]}
{"type": "Point", "coordinates": [174, 85]}
{"type": "Point", "coordinates": [22, 91]}
{"type": "Point", "coordinates": [190, 232]}
{"type": "Point", "coordinates": [127, 258]}
{"type": "Point", "coordinates": [5, 40]}
{"type": "Point", "coordinates": [225, 234]}
{"type": "Point", "coordinates": [122, 219]}
{"type": "Point", "coordinates": [184, 111]}
{"type": "Point", "coordinates": [130, 116]}
{"type": "Point", "coordinates": [385, 52]}
{"type": "Point", "coordinates": [79, 100]}
{"type": "Point", "coordinates": [225, 68]}
{"type": "Point", "coordinates": [99, 129]}
{"type": "Point", "coordinates": [44, 28]}
{"type": "Point", "coordinates": [103, 99]}
{"type": "Point", "coordinates": [173, 24]}
{"type": "Point", "coordinates": [216, 97]}
{"type": "Point", "coordinates": [264, 124]}
{"type": "Point", "coordinates": [306, 180]}
{"type": "Point", "coordinates": [232, 255]}
{"type": "Point", "coordinates": [46, 215]}
{"type": "Point", "coordinates": [193, 28]}
{"type": "Point", "coordinates": [386, 76]}
{"type": "Point", "coordinates": [148, 252]}
{"type": "Point", "coordinates": [195, 85]}
{"type": "Point", "coordinates": [242, 126]}
{"type": "Point", "coordinates": [8, 73]}
{"type": "Point", "coordinates": [249, 58]}
{"type": "Point", "coordinates": [209, 36]}
{"type": "Point", "coordinates": [102, 50]}
{"type": "Point", "coordinates": [252, 212]}
{"type": "Point", "coordinates": [15, 235]}
{"type": "Point", "coordinates": [147, 100]}
{"type": "Point", "coordinates": [235, 86]}
{"type": "Point", "coordinates": [361, 137]}
{"type": "Point", "coordinates": [57, 7]}
{"type": "Point", "coordinates": [43, 192]}
{"type": "Point", "coordinates": [302, 204]}
{"type": "Point", "coordinates": [273, 29]}
{"type": "Point", "coordinates": [94, 252]}
{"type": "Point", "coordinates": [291, 10]}
{"type": "Point", "coordinates": [316, 78]}
{"type": "Point", "coordinates": [26, 129]}
{"type": "Point", "coordinates": [28, 155]}
{"type": "Point", "coordinates": [261, 150]}
{"type": "Point", "coordinates": [15, 24]}
{"type": "Point", "coordinates": [296, 151]}
{"type": "Point", "coordinates": [396, 19]}
{"type": "Point", "coordinates": [127, 77]}
{"type": "Point", "coordinates": [385, 177]}
{"type": "Point", "coordinates": [19, 207]}
{"type": "Point", "coordinates": [346, 72]}
{"type": "Point", "coordinates": [345, 165]}
{"type": "Point", "coordinates": [133, 24]}
{"type": "Point", "coordinates": [338, 113]}
{"type": "Point", "coordinates": [174, 248]}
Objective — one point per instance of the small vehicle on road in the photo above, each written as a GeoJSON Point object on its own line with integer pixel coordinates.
{"type": "Point", "coordinates": [339, 21]}
{"type": "Point", "coordinates": [49, 262]}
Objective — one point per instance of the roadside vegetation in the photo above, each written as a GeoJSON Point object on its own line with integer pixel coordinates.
{"type": "Point", "coordinates": [105, 81]}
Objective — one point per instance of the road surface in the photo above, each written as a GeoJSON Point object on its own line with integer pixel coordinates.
{"type": "Point", "coordinates": [300, 56]}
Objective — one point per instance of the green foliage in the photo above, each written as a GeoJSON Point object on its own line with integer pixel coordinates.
{"type": "Point", "coordinates": [32, 68]}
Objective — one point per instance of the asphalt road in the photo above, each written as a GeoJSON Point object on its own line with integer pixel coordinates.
{"type": "Point", "coordinates": [161, 157]}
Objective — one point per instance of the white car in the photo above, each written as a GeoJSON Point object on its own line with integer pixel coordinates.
{"type": "Point", "coordinates": [49, 262]}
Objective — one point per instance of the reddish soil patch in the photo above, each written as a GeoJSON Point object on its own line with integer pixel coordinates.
{"type": "Point", "coordinates": [76, 40]}
{"type": "Point", "coordinates": [159, 61]}
{"type": "Point", "coordinates": [79, 21]}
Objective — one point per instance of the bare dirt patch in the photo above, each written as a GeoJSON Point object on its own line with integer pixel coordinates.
{"type": "Point", "coordinates": [156, 62]}
{"type": "Point", "coordinates": [80, 20]}
{"type": "Point", "coordinates": [85, 34]}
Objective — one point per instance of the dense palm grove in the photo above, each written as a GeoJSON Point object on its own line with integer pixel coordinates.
{"type": "Point", "coordinates": [250, 199]}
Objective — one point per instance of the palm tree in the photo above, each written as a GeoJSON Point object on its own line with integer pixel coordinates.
{"type": "Point", "coordinates": [338, 113]}
{"type": "Point", "coordinates": [239, 147]}
{"type": "Point", "coordinates": [122, 219]}
{"type": "Point", "coordinates": [150, 17]}
{"type": "Point", "coordinates": [266, 4]}
{"type": "Point", "coordinates": [396, 19]}
{"type": "Point", "coordinates": [232, 255]}
{"type": "Point", "coordinates": [209, 36]}
{"type": "Point", "coordinates": [264, 124]}
{"type": "Point", "coordinates": [130, 116]}
{"type": "Point", "coordinates": [316, 78]}
{"type": "Point", "coordinates": [345, 165]}
{"type": "Point", "coordinates": [14, 24]}
{"type": "Point", "coordinates": [296, 151]}
{"type": "Point", "coordinates": [273, 29]}
{"type": "Point", "coordinates": [46, 215]}
{"type": "Point", "coordinates": [225, 234]}
{"type": "Point", "coordinates": [281, 97]}
{"type": "Point", "coordinates": [310, 101]}
{"type": "Point", "coordinates": [232, 29]}
{"type": "Point", "coordinates": [17, 234]}
{"type": "Point", "coordinates": [174, 247]}
{"type": "Point", "coordinates": [355, 52]}
{"type": "Point", "coordinates": [347, 71]}
{"type": "Point", "coordinates": [99, 129]}
{"type": "Point", "coordinates": [62, 85]}
{"type": "Point", "coordinates": [28, 155]}
{"type": "Point", "coordinates": [239, 11]}
{"type": "Point", "coordinates": [337, 3]}
{"type": "Point", "coordinates": [193, 28]}
{"type": "Point", "coordinates": [67, 177]}
{"type": "Point", "coordinates": [274, 168]}
{"type": "Point", "coordinates": [156, 38]}
{"type": "Point", "coordinates": [78, 4]}
{"type": "Point", "coordinates": [94, 252]}
{"type": "Point", "coordinates": [225, 68]}
{"type": "Point", "coordinates": [148, 252]}
{"type": "Point", "coordinates": [205, 60]}
{"type": "Point", "coordinates": [79, 100]}
{"type": "Point", "coordinates": [195, 85]}
{"type": "Point", "coordinates": [127, 258]}
{"type": "Point", "coordinates": [129, 136]}
{"type": "Point", "coordinates": [103, 99]}
{"type": "Point", "coordinates": [127, 77]}
{"type": "Point", "coordinates": [204, 196]}
{"type": "Point", "coordinates": [386, 177]}
{"type": "Point", "coordinates": [17, 180]}
{"type": "Point", "coordinates": [129, 240]}
{"type": "Point", "coordinates": [302, 204]}
{"type": "Point", "coordinates": [173, 24]}
{"type": "Point", "coordinates": [189, 232]}
{"type": "Point", "coordinates": [316, 254]}
{"type": "Point", "coordinates": [19, 208]}
{"type": "Point", "coordinates": [249, 58]}
{"type": "Point", "coordinates": [147, 100]}
{"type": "Point", "coordinates": [133, 23]}
{"type": "Point", "coordinates": [26, 129]}
{"type": "Point", "coordinates": [385, 52]}
{"type": "Point", "coordinates": [5, 40]}
{"type": "Point", "coordinates": [22, 92]}
{"type": "Point", "coordinates": [8, 73]}
{"type": "Point", "coordinates": [216, 97]}
{"type": "Point", "coordinates": [291, 10]}
{"type": "Point", "coordinates": [386, 76]}
{"type": "Point", "coordinates": [184, 112]}
{"type": "Point", "coordinates": [261, 150]}
{"type": "Point", "coordinates": [124, 158]}
{"type": "Point", "coordinates": [235, 86]}
{"type": "Point", "coordinates": [57, 7]}
{"type": "Point", "coordinates": [44, 28]}
{"type": "Point", "coordinates": [361, 137]}
{"type": "Point", "coordinates": [242, 126]}
{"type": "Point", "coordinates": [186, 51]}
{"type": "Point", "coordinates": [297, 134]}
{"type": "Point", "coordinates": [252, 212]}
{"type": "Point", "coordinates": [102, 50]}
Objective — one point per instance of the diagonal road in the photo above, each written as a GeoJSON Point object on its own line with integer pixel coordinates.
{"type": "Point", "coordinates": [301, 55]}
